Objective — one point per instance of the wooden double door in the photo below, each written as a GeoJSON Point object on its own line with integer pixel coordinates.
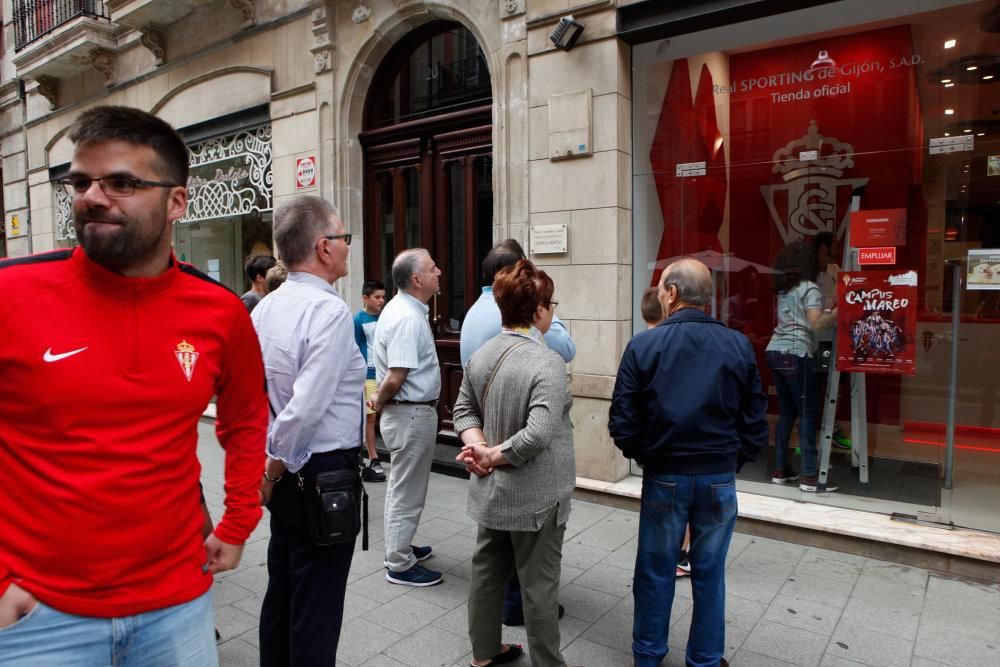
{"type": "Point", "coordinates": [429, 184]}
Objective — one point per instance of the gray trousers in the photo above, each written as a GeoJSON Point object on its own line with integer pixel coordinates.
{"type": "Point", "coordinates": [409, 432]}
{"type": "Point", "coordinates": [537, 556]}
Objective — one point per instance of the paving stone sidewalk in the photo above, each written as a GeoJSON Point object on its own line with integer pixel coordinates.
{"type": "Point", "coordinates": [786, 604]}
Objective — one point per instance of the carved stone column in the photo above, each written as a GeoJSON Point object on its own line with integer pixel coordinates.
{"type": "Point", "coordinates": [323, 50]}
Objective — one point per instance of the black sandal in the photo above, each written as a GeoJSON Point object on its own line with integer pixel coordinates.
{"type": "Point", "coordinates": [513, 652]}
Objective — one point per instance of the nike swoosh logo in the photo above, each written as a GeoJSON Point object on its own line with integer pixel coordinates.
{"type": "Point", "coordinates": [49, 357]}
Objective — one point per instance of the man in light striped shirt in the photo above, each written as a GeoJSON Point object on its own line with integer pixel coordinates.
{"type": "Point", "coordinates": [315, 382]}
{"type": "Point", "coordinates": [409, 377]}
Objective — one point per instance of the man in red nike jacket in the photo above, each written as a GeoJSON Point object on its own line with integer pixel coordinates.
{"type": "Point", "coordinates": [114, 349]}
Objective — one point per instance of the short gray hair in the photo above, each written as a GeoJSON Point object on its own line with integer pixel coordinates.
{"type": "Point", "coordinates": [692, 286]}
{"type": "Point", "coordinates": [297, 224]}
{"type": "Point", "coordinates": [406, 265]}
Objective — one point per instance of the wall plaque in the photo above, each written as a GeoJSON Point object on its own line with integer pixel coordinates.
{"type": "Point", "coordinates": [545, 239]}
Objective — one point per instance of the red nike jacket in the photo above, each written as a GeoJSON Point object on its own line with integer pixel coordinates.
{"type": "Point", "coordinates": [104, 379]}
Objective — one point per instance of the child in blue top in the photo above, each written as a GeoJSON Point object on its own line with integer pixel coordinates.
{"type": "Point", "coordinates": [373, 298]}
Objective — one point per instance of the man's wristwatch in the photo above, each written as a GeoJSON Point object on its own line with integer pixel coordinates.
{"type": "Point", "coordinates": [273, 480]}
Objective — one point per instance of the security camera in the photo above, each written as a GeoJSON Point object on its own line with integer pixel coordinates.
{"type": "Point", "coordinates": [566, 33]}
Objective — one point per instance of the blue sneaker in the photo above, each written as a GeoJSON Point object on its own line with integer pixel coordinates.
{"type": "Point", "coordinates": [422, 553]}
{"type": "Point", "coordinates": [418, 575]}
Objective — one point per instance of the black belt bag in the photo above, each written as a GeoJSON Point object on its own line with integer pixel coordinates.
{"type": "Point", "coordinates": [334, 503]}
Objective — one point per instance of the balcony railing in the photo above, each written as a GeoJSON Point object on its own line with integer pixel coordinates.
{"type": "Point", "coordinates": [34, 19]}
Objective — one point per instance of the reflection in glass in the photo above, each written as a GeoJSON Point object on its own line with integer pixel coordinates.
{"type": "Point", "coordinates": [455, 174]}
{"type": "Point", "coordinates": [411, 183]}
{"type": "Point", "coordinates": [386, 220]}
{"type": "Point", "coordinates": [446, 72]}
{"type": "Point", "coordinates": [483, 193]}
{"type": "Point", "coordinates": [210, 246]}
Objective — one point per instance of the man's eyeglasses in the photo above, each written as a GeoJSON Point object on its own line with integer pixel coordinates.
{"type": "Point", "coordinates": [112, 186]}
{"type": "Point", "coordinates": [334, 237]}
{"type": "Point", "coordinates": [553, 304]}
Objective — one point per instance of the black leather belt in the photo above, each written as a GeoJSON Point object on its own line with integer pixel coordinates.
{"type": "Point", "coordinates": [393, 401]}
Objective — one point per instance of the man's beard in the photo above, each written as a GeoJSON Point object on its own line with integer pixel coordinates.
{"type": "Point", "coordinates": [130, 243]}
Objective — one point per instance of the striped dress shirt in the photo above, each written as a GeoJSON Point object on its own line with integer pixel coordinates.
{"type": "Point", "coordinates": [315, 372]}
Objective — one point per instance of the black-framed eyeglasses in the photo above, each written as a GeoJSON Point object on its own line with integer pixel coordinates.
{"type": "Point", "coordinates": [112, 186]}
{"type": "Point", "coordinates": [334, 237]}
{"type": "Point", "coordinates": [553, 304]}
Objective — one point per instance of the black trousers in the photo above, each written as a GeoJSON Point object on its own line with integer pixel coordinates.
{"type": "Point", "coordinates": [304, 603]}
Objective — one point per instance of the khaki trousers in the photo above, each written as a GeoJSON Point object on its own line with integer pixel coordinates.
{"type": "Point", "coordinates": [409, 432]}
{"type": "Point", "coordinates": [537, 556]}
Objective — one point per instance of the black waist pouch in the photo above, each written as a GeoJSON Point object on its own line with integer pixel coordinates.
{"type": "Point", "coordinates": [334, 502]}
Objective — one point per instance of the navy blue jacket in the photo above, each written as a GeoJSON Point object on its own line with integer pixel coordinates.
{"type": "Point", "coordinates": [688, 398]}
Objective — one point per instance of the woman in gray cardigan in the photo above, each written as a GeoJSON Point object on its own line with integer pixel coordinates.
{"type": "Point", "coordinates": [512, 414]}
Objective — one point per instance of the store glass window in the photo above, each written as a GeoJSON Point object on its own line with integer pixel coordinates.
{"type": "Point", "coordinates": [844, 159]}
{"type": "Point", "coordinates": [229, 205]}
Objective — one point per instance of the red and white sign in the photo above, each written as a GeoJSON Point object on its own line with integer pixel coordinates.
{"type": "Point", "coordinates": [305, 172]}
{"type": "Point", "coordinates": [877, 322]}
{"type": "Point", "coordinates": [885, 255]}
{"type": "Point", "coordinates": [885, 227]}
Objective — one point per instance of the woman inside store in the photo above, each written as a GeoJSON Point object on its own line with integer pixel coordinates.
{"type": "Point", "coordinates": [791, 358]}
{"type": "Point", "coordinates": [512, 415]}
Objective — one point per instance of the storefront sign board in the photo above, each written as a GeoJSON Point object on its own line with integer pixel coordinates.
{"type": "Point", "coordinates": [885, 255]}
{"type": "Point", "coordinates": [877, 322]}
{"type": "Point", "coordinates": [984, 270]}
{"type": "Point", "coordinates": [229, 176]}
{"type": "Point", "coordinates": [883, 227]}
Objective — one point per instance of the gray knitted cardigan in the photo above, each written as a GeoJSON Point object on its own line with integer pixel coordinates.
{"type": "Point", "coordinates": [527, 412]}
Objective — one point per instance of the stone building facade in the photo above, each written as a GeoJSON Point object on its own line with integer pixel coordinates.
{"type": "Point", "coordinates": [306, 71]}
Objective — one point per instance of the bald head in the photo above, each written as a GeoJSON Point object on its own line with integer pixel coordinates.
{"type": "Point", "coordinates": [693, 282]}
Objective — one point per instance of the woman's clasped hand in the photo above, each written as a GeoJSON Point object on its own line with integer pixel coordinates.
{"type": "Point", "coordinates": [477, 458]}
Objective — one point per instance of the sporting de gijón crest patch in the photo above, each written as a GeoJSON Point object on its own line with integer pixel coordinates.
{"type": "Point", "coordinates": [187, 357]}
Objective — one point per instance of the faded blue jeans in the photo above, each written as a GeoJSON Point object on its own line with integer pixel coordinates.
{"type": "Point", "coordinates": [180, 635]}
{"type": "Point", "coordinates": [796, 384]}
{"type": "Point", "coordinates": [706, 503]}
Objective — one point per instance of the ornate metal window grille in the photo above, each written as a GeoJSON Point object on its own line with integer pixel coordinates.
{"type": "Point", "coordinates": [65, 231]}
{"type": "Point", "coordinates": [230, 175]}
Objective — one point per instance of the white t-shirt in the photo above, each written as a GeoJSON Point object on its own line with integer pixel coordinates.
{"type": "Point", "coordinates": [403, 339]}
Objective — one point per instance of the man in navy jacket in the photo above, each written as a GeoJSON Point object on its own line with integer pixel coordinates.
{"type": "Point", "coordinates": [688, 406]}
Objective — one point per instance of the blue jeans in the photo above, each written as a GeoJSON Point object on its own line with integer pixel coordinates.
{"type": "Point", "coordinates": [706, 503]}
{"type": "Point", "coordinates": [795, 380]}
{"type": "Point", "coordinates": [178, 635]}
